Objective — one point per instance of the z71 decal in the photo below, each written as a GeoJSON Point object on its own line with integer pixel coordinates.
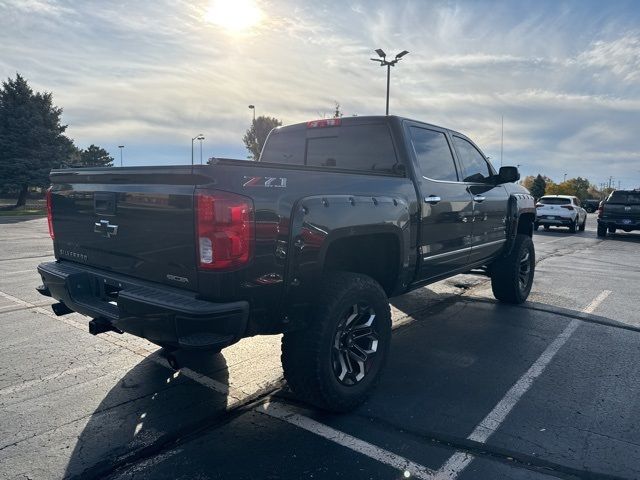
{"type": "Point", "coordinates": [265, 182]}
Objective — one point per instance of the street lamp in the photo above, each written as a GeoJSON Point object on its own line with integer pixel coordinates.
{"type": "Point", "coordinates": [197, 137]}
{"type": "Point", "coordinates": [384, 63]}
{"type": "Point", "coordinates": [201, 138]}
{"type": "Point", "coordinates": [120, 147]}
{"type": "Point", "coordinates": [253, 107]}
{"type": "Point", "coordinates": [565, 178]}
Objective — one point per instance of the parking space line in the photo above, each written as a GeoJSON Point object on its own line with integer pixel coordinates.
{"type": "Point", "coordinates": [234, 396]}
{"type": "Point", "coordinates": [459, 461]}
{"type": "Point", "coordinates": [407, 467]}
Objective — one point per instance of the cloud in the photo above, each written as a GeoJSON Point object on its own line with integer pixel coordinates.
{"type": "Point", "coordinates": [563, 76]}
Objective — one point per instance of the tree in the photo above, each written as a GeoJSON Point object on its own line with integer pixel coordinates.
{"type": "Point", "coordinates": [257, 134]}
{"type": "Point", "coordinates": [32, 139]}
{"type": "Point", "coordinates": [527, 182]}
{"type": "Point", "coordinates": [579, 187]}
{"type": "Point", "coordinates": [93, 156]}
{"type": "Point", "coordinates": [538, 187]}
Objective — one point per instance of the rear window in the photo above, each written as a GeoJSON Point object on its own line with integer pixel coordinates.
{"type": "Point", "coordinates": [627, 198]}
{"type": "Point", "coordinates": [555, 201]}
{"type": "Point", "coordinates": [356, 147]}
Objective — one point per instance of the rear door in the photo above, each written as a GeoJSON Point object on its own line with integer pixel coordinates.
{"type": "Point", "coordinates": [447, 210]}
{"type": "Point", "coordinates": [490, 201]}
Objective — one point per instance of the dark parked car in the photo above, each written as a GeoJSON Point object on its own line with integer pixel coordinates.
{"type": "Point", "coordinates": [620, 210]}
{"type": "Point", "coordinates": [310, 241]}
{"type": "Point", "coordinates": [590, 205]}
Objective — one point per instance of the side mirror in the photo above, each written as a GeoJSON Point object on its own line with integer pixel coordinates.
{"type": "Point", "coordinates": [508, 175]}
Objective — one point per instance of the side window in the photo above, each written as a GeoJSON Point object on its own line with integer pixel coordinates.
{"type": "Point", "coordinates": [433, 154]}
{"type": "Point", "coordinates": [475, 167]}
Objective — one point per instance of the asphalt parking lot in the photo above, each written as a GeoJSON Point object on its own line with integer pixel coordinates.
{"type": "Point", "coordinates": [473, 389]}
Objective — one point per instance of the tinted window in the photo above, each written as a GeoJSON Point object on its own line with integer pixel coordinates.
{"type": "Point", "coordinates": [284, 146]}
{"type": "Point", "coordinates": [475, 167]}
{"type": "Point", "coordinates": [625, 197]}
{"type": "Point", "coordinates": [433, 154]}
{"type": "Point", "coordinates": [555, 201]}
{"type": "Point", "coordinates": [357, 147]}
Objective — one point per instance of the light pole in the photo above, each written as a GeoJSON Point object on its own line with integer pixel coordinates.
{"type": "Point", "coordinates": [384, 63]}
{"type": "Point", "coordinates": [197, 137]}
{"type": "Point", "coordinates": [253, 107]}
{"type": "Point", "coordinates": [565, 177]}
{"type": "Point", "coordinates": [120, 147]}
{"type": "Point", "coordinates": [201, 138]}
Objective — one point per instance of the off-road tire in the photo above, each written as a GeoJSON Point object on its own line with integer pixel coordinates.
{"type": "Point", "coordinates": [602, 230]}
{"type": "Point", "coordinates": [512, 276]}
{"type": "Point", "coordinates": [310, 357]}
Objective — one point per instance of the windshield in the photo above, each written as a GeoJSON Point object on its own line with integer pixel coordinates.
{"type": "Point", "coordinates": [626, 198]}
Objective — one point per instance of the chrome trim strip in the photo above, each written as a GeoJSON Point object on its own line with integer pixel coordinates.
{"type": "Point", "coordinates": [488, 244]}
{"type": "Point", "coordinates": [446, 254]}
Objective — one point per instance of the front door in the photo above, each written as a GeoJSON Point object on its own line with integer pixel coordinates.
{"type": "Point", "coordinates": [446, 206]}
{"type": "Point", "coordinates": [490, 201]}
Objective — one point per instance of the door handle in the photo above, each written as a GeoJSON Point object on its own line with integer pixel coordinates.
{"type": "Point", "coordinates": [432, 199]}
{"type": "Point", "coordinates": [479, 198]}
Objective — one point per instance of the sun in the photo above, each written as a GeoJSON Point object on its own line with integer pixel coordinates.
{"type": "Point", "coordinates": [233, 15]}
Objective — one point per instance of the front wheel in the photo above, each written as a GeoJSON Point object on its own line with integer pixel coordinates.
{"type": "Point", "coordinates": [336, 361]}
{"type": "Point", "coordinates": [512, 276]}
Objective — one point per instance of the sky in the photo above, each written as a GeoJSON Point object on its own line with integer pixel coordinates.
{"type": "Point", "coordinates": [563, 77]}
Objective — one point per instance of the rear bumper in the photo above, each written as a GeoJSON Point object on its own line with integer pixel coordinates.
{"type": "Point", "coordinates": [163, 315]}
{"type": "Point", "coordinates": [623, 224]}
{"type": "Point", "coordinates": [544, 220]}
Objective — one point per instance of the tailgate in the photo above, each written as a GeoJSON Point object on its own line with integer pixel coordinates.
{"type": "Point", "coordinates": [119, 223]}
{"type": "Point", "coordinates": [619, 211]}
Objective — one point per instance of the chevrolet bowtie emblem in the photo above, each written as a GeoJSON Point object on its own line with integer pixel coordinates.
{"type": "Point", "coordinates": [105, 229]}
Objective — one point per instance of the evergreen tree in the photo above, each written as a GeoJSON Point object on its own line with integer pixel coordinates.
{"type": "Point", "coordinates": [257, 134]}
{"type": "Point", "coordinates": [538, 187]}
{"type": "Point", "coordinates": [32, 139]}
{"type": "Point", "coordinates": [93, 156]}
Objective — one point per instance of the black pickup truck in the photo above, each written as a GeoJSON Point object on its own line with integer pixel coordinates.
{"type": "Point", "coordinates": [620, 210]}
{"type": "Point", "coordinates": [311, 240]}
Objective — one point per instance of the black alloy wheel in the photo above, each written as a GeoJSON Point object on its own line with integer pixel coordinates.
{"type": "Point", "coordinates": [355, 344]}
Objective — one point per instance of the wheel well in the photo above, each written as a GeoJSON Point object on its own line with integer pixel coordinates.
{"type": "Point", "coordinates": [525, 224]}
{"type": "Point", "coordinates": [377, 256]}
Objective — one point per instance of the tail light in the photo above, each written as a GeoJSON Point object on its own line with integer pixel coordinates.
{"type": "Point", "coordinates": [225, 230]}
{"type": "Point", "coordinates": [600, 209]}
{"type": "Point", "coordinates": [568, 207]}
{"type": "Point", "coordinates": [50, 214]}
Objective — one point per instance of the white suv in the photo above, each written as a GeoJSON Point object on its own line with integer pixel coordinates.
{"type": "Point", "coordinates": [560, 211]}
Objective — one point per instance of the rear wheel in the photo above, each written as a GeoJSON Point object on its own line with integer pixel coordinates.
{"type": "Point", "coordinates": [336, 362]}
{"type": "Point", "coordinates": [512, 276]}
{"type": "Point", "coordinates": [583, 225]}
{"type": "Point", "coordinates": [574, 225]}
{"type": "Point", "coordinates": [612, 229]}
{"type": "Point", "coordinates": [536, 226]}
{"type": "Point", "coordinates": [546, 228]}
{"type": "Point", "coordinates": [602, 230]}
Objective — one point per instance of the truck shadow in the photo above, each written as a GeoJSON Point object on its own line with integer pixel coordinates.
{"type": "Point", "coordinates": [150, 407]}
